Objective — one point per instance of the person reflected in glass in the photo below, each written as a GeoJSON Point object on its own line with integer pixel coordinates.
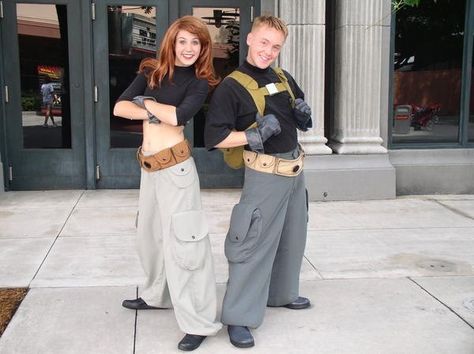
{"type": "Point", "coordinates": [48, 97]}
{"type": "Point", "coordinates": [173, 242]}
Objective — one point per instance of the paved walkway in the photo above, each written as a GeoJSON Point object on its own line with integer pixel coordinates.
{"type": "Point", "coordinates": [389, 276]}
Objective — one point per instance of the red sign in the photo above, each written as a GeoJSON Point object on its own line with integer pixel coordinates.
{"type": "Point", "coordinates": [54, 72]}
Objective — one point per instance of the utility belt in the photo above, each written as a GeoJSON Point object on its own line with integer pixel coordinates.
{"type": "Point", "coordinates": [164, 158]}
{"type": "Point", "coordinates": [273, 164]}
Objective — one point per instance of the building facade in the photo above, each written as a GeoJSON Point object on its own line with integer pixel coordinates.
{"type": "Point", "coordinates": [391, 93]}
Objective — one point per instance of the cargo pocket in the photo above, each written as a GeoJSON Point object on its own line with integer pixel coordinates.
{"type": "Point", "coordinates": [190, 247]}
{"type": "Point", "coordinates": [244, 232]}
{"type": "Point", "coordinates": [182, 174]}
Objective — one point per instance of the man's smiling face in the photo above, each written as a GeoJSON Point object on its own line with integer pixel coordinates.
{"type": "Point", "coordinates": [264, 44]}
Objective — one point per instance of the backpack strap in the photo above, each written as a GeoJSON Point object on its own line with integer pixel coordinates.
{"type": "Point", "coordinates": [258, 93]}
{"type": "Point", "coordinates": [284, 81]}
{"type": "Point", "coordinates": [233, 156]}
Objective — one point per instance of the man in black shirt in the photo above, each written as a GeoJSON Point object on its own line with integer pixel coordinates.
{"type": "Point", "coordinates": [267, 234]}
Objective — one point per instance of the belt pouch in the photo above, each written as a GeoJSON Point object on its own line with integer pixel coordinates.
{"type": "Point", "coordinates": [164, 158]}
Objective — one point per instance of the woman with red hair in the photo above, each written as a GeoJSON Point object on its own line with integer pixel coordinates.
{"type": "Point", "coordinates": [172, 232]}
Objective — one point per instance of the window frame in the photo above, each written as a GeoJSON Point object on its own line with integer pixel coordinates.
{"type": "Point", "coordinates": [463, 138]}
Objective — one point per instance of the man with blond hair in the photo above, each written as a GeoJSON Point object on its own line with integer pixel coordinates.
{"type": "Point", "coordinates": [260, 108]}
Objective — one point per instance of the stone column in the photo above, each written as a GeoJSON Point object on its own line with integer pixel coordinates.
{"type": "Point", "coordinates": [303, 57]}
{"type": "Point", "coordinates": [360, 76]}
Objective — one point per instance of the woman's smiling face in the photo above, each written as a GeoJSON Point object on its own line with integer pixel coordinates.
{"type": "Point", "coordinates": [187, 48]}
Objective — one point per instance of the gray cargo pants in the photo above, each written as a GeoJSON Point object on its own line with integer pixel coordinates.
{"type": "Point", "coordinates": [174, 248]}
{"type": "Point", "coordinates": [264, 247]}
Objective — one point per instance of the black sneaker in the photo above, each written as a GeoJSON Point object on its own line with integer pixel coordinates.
{"type": "Point", "coordinates": [299, 304]}
{"type": "Point", "coordinates": [190, 342]}
{"type": "Point", "coordinates": [240, 336]}
{"type": "Point", "coordinates": [138, 304]}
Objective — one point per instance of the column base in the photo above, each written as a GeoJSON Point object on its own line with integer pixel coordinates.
{"type": "Point", "coordinates": [357, 145]}
{"type": "Point", "coordinates": [341, 177]}
{"type": "Point", "coordinates": [314, 145]}
{"type": "Point", "coordinates": [347, 148]}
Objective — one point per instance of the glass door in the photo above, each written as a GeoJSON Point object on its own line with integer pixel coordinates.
{"type": "Point", "coordinates": [468, 135]}
{"type": "Point", "coordinates": [124, 33]}
{"type": "Point", "coordinates": [44, 95]}
{"type": "Point", "coordinates": [229, 22]}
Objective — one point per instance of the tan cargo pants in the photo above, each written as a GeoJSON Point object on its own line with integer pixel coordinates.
{"type": "Point", "coordinates": [174, 248]}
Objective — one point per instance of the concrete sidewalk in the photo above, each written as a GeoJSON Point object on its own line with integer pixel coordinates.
{"type": "Point", "coordinates": [387, 276]}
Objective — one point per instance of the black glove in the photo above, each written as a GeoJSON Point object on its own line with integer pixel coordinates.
{"type": "Point", "coordinates": [302, 114]}
{"type": "Point", "coordinates": [140, 102]}
{"type": "Point", "coordinates": [267, 126]}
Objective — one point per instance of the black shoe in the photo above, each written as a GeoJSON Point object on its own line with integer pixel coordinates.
{"type": "Point", "coordinates": [240, 336]}
{"type": "Point", "coordinates": [190, 342]}
{"type": "Point", "coordinates": [138, 304]}
{"type": "Point", "coordinates": [299, 304]}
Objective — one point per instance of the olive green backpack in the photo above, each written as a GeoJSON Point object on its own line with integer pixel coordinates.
{"type": "Point", "coordinates": [233, 156]}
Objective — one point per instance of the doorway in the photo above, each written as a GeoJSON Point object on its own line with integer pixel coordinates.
{"type": "Point", "coordinates": [124, 34]}
{"type": "Point", "coordinates": [229, 22]}
{"type": "Point", "coordinates": [60, 132]}
{"type": "Point", "coordinates": [43, 95]}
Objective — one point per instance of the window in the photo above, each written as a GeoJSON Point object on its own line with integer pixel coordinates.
{"type": "Point", "coordinates": [428, 73]}
{"type": "Point", "coordinates": [132, 38]}
{"type": "Point", "coordinates": [44, 66]}
{"type": "Point", "coordinates": [470, 125]}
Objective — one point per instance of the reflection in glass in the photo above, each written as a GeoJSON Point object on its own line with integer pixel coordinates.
{"type": "Point", "coordinates": [470, 124]}
{"type": "Point", "coordinates": [224, 27]}
{"type": "Point", "coordinates": [427, 72]}
{"type": "Point", "coordinates": [44, 80]}
{"type": "Point", "coordinates": [132, 37]}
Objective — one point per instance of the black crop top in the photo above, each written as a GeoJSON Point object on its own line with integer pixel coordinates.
{"type": "Point", "coordinates": [186, 92]}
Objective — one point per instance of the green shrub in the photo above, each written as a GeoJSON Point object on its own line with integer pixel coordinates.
{"type": "Point", "coordinates": [30, 103]}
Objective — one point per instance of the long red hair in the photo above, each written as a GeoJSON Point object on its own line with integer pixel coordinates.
{"type": "Point", "coordinates": [157, 69]}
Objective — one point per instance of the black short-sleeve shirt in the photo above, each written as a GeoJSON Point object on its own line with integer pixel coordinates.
{"type": "Point", "coordinates": [186, 92]}
{"type": "Point", "coordinates": [232, 108]}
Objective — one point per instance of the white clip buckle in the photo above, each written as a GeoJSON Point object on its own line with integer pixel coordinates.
{"type": "Point", "coordinates": [272, 89]}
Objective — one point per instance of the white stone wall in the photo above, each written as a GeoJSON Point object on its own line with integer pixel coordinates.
{"type": "Point", "coordinates": [360, 75]}
{"type": "Point", "coordinates": [303, 56]}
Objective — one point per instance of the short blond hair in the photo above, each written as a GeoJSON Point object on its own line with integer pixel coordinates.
{"type": "Point", "coordinates": [272, 22]}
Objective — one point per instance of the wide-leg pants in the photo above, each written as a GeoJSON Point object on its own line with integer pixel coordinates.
{"type": "Point", "coordinates": [174, 248]}
{"type": "Point", "coordinates": [264, 247]}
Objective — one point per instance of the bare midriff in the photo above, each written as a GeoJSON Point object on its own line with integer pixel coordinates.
{"type": "Point", "coordinates": [157, 137]}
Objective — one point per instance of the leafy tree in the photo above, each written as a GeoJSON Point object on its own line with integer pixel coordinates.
{"type": "Point", "coordinates": [430, 36]}
{"type": "Point", "coordinates": [398, 4]}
